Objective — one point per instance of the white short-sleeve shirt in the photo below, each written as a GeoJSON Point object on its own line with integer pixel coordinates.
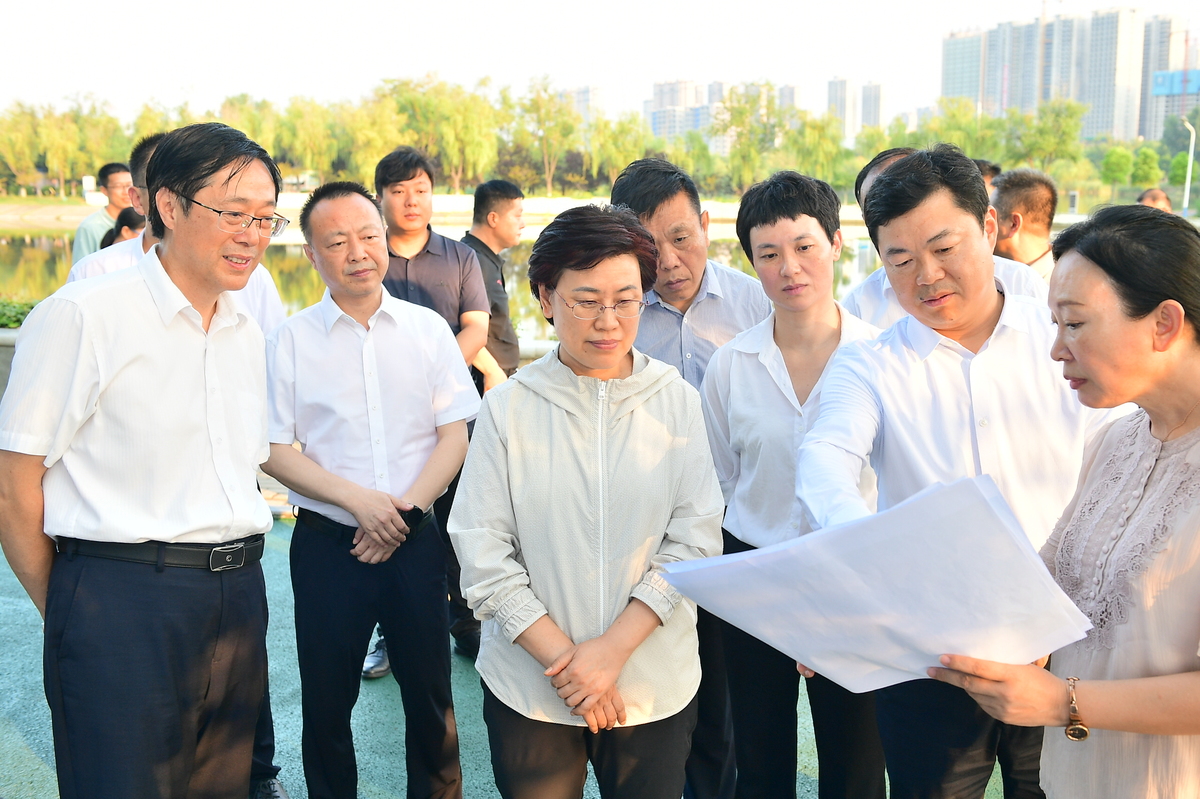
{"type": "Point", "coordinates": [365, 404]}
{"type": "Point", "coordinates": [151, 428]}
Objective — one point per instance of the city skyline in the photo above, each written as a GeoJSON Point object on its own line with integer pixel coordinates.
{"type": "Point", "coordinates": [83, 50]}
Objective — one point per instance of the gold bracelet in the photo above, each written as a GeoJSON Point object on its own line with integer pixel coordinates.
{"type": "Point", "coordinates": [1076, 730]}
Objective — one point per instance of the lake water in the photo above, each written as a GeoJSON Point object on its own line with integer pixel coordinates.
{"type": "Point", "coordinates": [35, 265]}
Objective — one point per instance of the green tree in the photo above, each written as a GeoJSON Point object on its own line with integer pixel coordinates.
{"type": "Point", "coordinates": [258, 119]}
{"type": "Point", "coordinates": [815, 145]}
{"type": "Point", "coordinates": [1116, 167]}
{"type": "Point", "coordinates": [553, 124]}
{"type": "Point", "coordinates": [1175, 136]}
{"type": "Point", "coordinates": [19, 148]}
{"type": "Point", "coordinates": [58, 139]}
{"type": "Point", "coordinates": [102, 139]}
{"type": "Point", "coordinates": [373, 129]}
{"type": "Point", "coordinates": [870, 141]}
{"type": "Point", "coordinates": [467, 138]}
{"type": "Point", "coordinates": [1054, 134]}
{"type": "Point", "coordinates": [958, 123]}
{"type": "Point", "coordinates": [153, 118]}
{"type": "Point", "coordinates": [1146, 171]}
{"type": "Point", "coordinates": [613, 146]}
{"type": "Point", "coordinates": [754, 123]}
{"type": "Point", "coordinates": [307, 136]}
{"type": "Point", "coordinates": [1178, 172]}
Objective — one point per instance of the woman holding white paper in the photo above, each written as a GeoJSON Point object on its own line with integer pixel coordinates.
{"type": "Point", "coordinates": [762, 392]}
{"type": "Point", "coordinates": [1126, 297]}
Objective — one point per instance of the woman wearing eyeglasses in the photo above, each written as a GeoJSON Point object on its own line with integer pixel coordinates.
{"type": "Point", "coordinates": [1125, 294]}
{"type": "Point", "coordinates": [589, 471]}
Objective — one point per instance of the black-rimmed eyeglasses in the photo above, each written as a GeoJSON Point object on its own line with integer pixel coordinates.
{"type": "Point", "coordinates": [236, 221]}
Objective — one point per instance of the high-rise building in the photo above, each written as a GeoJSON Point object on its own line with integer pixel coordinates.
{"type": "Point", "coordinates": [844, 104]}
{"type": "Point", "coordinates": [1064, 48]}
{"type": "Point", "coordinates": [872, 105]}
{"type": "Point", "coordinates": [679, 107]}
{"type": "Point", "coordinates": [962, 66]}
{"type": "Point", "coordinates": [1163, 51]}
{"type": "Point", "coordinates": [787, 97]}
{"type": "Point", "coordinates": [1010, 67]}
{"type": "Point", "coordinates": [1113, 85]}
{"type": "Point", "coordinates": [586, 100]}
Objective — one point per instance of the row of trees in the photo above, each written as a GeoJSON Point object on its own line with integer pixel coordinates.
{"type": "Point", "coordinates": [539, 141]}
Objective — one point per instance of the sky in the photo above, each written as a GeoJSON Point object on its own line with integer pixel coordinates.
{"type": "Point", "coordinates": [201, 52]}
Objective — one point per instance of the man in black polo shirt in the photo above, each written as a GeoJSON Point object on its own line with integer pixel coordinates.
{"type": "Point", "coordinates": [496, 226]}
{"type": "Point", "coordinates": [426, 268]}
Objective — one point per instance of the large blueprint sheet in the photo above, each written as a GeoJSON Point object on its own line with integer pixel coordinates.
{"type": "Point", "coordinates": [874, 602]}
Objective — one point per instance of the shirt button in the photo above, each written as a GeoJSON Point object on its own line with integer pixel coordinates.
{"type": "Point", "coordinates": [983, 422]}
{"type": "Point", "coordinates": [374, 407]}
{"type": "Point", "coordinates": [377, 441]}
{"type": "Point", "coordinates": [688, 355]}
{"type": "Point", "coordinates": [1105, 548]}
{"type": "Point", "coordinates": [381, 475]}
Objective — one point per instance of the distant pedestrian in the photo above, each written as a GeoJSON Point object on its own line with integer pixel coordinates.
{"type": "Point", "coordinates": [129, 225]}
{"type": "Point", "coordinates": [115, 183]}
{"type": "Point", "coordinates": [1025, 201]}
{"type": "Point", "coordinates": [1156, 198]}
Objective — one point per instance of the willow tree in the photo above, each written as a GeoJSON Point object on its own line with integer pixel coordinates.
{"type": "Point", "coordinates": [58, 139]}
{"type": "Point", "coordinates": [307, 136]}
{"type": "Point", "coordinates": [553, 124]}
{"type": "Point", "coordinates": [19, 142]}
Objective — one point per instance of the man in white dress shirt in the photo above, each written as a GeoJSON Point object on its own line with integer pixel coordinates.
{"type": "Point", "coordinates": [696, 306]}
{"type": "Point", "coordinates": [377, 394]}
{"type": "Point", "coordinates": [131, 429]}
{"type": "Point", "coordinates": [874, 300]}
{"type": "Point", "coordinates": [260, 297]}
{"type": "Point", "coordinates": [964, 386]}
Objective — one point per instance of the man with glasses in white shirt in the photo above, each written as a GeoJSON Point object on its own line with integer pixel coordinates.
{"type": "Point", "coordinates": [130, 432]}
{"type": "Point", "coordinates": [963, 386]}
{"type": "Point", "coordinates": [377, 394]}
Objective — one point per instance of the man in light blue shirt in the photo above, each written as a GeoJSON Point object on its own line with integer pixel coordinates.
{"type": "Point", "coordinates": [116, 184]}
{"type": "Point", "coordinates": [696, 306]}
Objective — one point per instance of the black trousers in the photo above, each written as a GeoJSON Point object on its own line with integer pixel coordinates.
{"type": "Point", "coordinates": [764, 689]}
{"type": "Point", "coordinates": [262, 764]}
{"type": "Point", "coordinates": [154, 678]}
{"type": "Point", "coordinates": [941, 745]}
{"type": "Point", "coordinates": [541, 760]}
{"type": "Point", "coordinates": [462, 618]}
{"type": "Point", "coordinates": [339, 599]}
{"type": "Point", "coordinates": [711, 770]}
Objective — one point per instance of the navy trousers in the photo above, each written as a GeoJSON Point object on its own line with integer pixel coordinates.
{"type": "Point", "coordinates": [154, 678]}
{"type": "Point", "coordinates": [338, 602]}
{"type": "Point", "coordinates": [940, 744]}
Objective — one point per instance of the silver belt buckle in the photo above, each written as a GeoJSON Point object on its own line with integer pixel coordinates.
{"type": "Point", "coordinates": [231, 556]}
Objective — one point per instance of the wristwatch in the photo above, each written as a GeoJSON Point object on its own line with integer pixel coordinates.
{"type": "Point", "coordinates": [412, 518]}
{"type": "Point", "coordinates": [1076, 730]}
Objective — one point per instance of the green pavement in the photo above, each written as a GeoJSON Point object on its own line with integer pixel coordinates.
{"type": "Point", "coordinates": [26, 748]}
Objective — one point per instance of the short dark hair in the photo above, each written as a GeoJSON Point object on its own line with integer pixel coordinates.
{"type": "Point", "coordinates": [880, 161]}
{"type": "Point", "coordinates": [400, 165]}
{"type": "Point", "coordinates": [488, 196]}
{"type": "Point", "coordinates": [1028, 192]}
{"type": "Point", "coordinates": [581, 237]}
{"type": "Point", "coordinates": [186, 158]}
{"type": "Point", "coordinates": [108, 170]}
{"type": "Point", "coordinates": [1149, 255]}
{"type": "Point", "coordinates": [331, 191]}
{"type": "Point", "coordinates": [989, 169]}
{"type": "Point", "coordinates": [645, 185]}
{"type": "Point", "coordinates": [910, 181]}
{"type": "Point", "coordinates": [140, 156]}
{"type": "Point", "coordinates": [128, 218]}
{"type": "Point", "coordinates": [787, 195]}
{"type": "Point", "coordinates": [1153, 193]}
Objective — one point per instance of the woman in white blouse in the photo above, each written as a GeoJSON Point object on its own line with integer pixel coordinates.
{"type": "Point", "coordinates": [761, 393]}
{"type": "Point", "coordinates": [1126, 297]}
{"type": "Point", "coordinates": [588, 473]}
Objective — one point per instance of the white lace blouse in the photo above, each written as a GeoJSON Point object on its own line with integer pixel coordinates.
{"type": "Point", "coordinates": [1127, 552]}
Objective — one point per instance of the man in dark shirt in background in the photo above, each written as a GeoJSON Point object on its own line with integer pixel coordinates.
{"type": "Point", "coordinates": [426, 268]}
{"type": "Point", "coordinates": [495, 227]}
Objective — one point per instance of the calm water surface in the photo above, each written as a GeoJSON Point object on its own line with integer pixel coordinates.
{"type": "Point", "coordinates": [35, 265]}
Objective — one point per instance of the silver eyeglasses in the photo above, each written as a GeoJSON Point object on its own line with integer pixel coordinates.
{"type": "Point", "coordinates": [591, 309]}
{"type": "Point", "coordinates": [236, 221]}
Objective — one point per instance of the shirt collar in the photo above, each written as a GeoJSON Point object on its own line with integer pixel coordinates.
{"type": "Point", "coordinates": [925, 339]}
{"type": "Point", "coordinates": [435, 244]}
{"type": "Point", "coordinates": [169, 300]}
{"type": "Point", "coordinates": [761, 337]}
{"type": "Point", "coordinates": [331, 312]}
{"type": "Point", "coordinates": [710, 283]}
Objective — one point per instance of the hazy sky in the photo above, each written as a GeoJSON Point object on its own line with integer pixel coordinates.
{"type": "Point", "coordinates": [341, 49]}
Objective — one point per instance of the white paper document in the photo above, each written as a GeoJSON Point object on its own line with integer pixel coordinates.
{"type": "Point", "coordinates": [874, 602]}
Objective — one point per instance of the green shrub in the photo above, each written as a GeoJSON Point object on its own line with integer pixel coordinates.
{"type": "Point", "coordinates": [13, 312]}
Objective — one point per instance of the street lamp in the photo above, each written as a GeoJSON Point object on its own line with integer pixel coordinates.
{"type": "Point", "coordinates": [1187, 181]}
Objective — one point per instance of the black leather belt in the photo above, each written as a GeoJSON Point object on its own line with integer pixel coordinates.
{"type": "Point", "coordinates": [213, 557]}
{"type": "Point", "coordinates": [345, 532]}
